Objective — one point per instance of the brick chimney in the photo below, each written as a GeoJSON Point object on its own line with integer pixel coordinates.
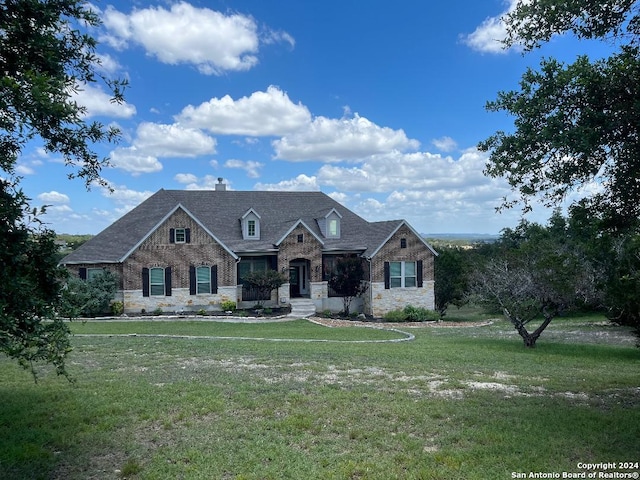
{"type": "Point", "coordinates": [220, 187]}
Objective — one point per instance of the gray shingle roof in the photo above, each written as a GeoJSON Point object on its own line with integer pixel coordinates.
{"type": "Point", "coordinates": [220, 212]}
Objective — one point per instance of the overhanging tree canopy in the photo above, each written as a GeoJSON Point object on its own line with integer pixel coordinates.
{"type": "Point", "coordinates": [45, 56]}
{"type": "Point", "coordinates": [576, 125]}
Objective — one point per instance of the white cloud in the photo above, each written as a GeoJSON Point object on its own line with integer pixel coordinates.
{"type": "Point", "coordinates": [300, 183]}
{"type": "Point", "coordinates": [262, 113]}
{"type": "Point", "coordinates": [154, 141]}
{"type": "Point", "coordinates": [97, 102]}
{"type": "Point", "coordinates": [420, 170]}
{"type": "Point", "coordinates": [125, 198]}
{"type": "Point", "coordinates": [445, 144]}
{"type": "Point", "coordinates": [185, 178]}
{"type": "Point", "coordinates": [133, 161]}
{"type": "Point", "coordinates": [22, 169]}
{"type": "Point", "coordinates": [108, 64]}
{"type": "Point", "coordinates": [334, 140]}
{"type": "Point", "coordinates": [212, 41]}
{"type": "Point", "coordinates": [172, 141]}
{"type": "Point", "coordinates": [434, 193]}
{"type": "Point", "coordinates": [489, 36]}
{"type": "Point", "coordinates": [251, 167]}
{"type": "Point", "coordinates": [208, 182]}
{"type": "Point", "coordinates": [53, 197]}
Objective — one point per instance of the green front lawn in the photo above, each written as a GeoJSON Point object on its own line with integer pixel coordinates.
{"type": "Point", "coordinates": [464, 402]}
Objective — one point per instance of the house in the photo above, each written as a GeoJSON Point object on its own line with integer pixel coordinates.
{"type": "Point", "coordinates": [189, 250]}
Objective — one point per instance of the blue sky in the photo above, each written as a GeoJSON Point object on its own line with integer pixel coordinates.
{"type": "Point", "coordinates": [379, 104]}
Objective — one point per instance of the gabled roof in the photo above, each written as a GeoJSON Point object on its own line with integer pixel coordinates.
{"type": "Point", "coordinates": [299, 222]}
{"type": "Point", "coordinates": [219, 212]}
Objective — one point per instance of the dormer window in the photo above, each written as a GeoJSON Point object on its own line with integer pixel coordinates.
{"type": "Point", "coordinates": [251, 225]}
{"type": "Point", "coordinates": [333, 228]}
{"type": "Point", "coordinates": [331, 223]}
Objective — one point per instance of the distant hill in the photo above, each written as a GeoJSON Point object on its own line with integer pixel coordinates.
{"type": "Point", "coordinates": [471, 237]}
{"type": "Point", "coordinates": [459, 240]}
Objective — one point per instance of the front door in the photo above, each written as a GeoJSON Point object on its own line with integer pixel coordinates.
{"type": "Point", "coordinates": [294, 279]}
{"type": "Point", "coordinates": [298, 281]}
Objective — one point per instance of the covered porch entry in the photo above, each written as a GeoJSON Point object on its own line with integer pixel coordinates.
{"type": "Point", "coordinates": [299, 278]}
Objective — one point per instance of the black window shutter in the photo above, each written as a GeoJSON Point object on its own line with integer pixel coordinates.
{"type": "Point", "coordinates": [82, 273]}
{"type": "Point", "coordinates": [172, 235]}
{"type": "Point", "coordinates": [214, 279]}
{"type": "Point", "coordinates": [167, 281]}
{"type": "Point", "coordinates": [387, 276]}
{"type": "Point", "coordinates": [187, 235]}
{"type": "Point", "coordinates": [145, 282]}
{"type": "Point", "coordinates": [273, 262]}
{"type": "Point", "coordinates": [419, 273]}
{"type": "Point", "coordinates": [192, 280]}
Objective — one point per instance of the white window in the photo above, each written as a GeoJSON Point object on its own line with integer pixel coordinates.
{"type": "Point", "coordinates": [156, 281]}
{"type": "Point", "coordinates": [333, 227]}
{"type": "Point", "coordinates": [181, 235]}
{"type": "Point", "coordinates": [251, 225]}
{"type": "Point", "coordinates": [402, 274]}
{"type": "Point", "coordinates": [203, 280]}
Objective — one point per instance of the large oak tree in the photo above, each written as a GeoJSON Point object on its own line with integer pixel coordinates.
{"type": "Point", "coordinates": [46, 54]}
{"type": "Point", "coordinates": [576, 124]}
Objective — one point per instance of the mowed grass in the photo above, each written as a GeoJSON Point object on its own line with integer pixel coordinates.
{"type": "Point", "coordinates": [463, 402]}
{"type": "Point", "coordinates": [297, 329]}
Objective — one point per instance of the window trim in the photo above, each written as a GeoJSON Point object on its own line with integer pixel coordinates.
{"type": "Point", "coordinates": [251, 228]}
{"type": "Point", "coordinates": [200, 284]}
{"type": "Point", "coordinates": [157, 284]}
{"type": "Point", "coordinates": [181, 232]}
{"type": "Point", "coordinates": [403, 276]}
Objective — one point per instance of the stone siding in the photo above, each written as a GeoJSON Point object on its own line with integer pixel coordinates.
{"type": "Point", "coordinates": [157, 251]}
{"type": "Point", "coordinates": [179, 301]}
{"type": "Point", "coordinates": [397, 298]}
{"type": "Point", "coordinates": [379, 300]}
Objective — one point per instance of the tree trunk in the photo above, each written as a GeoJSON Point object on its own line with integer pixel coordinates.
{"type": "Point", "coordinates": [529, 339]}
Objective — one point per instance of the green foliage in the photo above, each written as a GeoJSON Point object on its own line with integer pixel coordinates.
{"type": "Point", "coordinates": [89, 298]}
{"type": "Point", "coordinates": [228, 306]}
{"type": "Point", "coordinates": [30, 331]}
{"type": "Point", "coordinates": [44, 55]}
{"type": "Point", "coordinates": [451, 275]}
{"type": "Point", "coordinates": [578, 123]}
{"type": "Point", "coordinates": [117, 308]}
{"type": "Point", "coordinates": [347, 281]}
{"type": "Point", "coordinates": [536, 272]}
{"type": "Point", "coordinates": [264, 281]}
{"type": "Point", "coordinates": [532, 23]}
{"type": "Point", "coordinates": [44, 58]}
{"type": "Point", "coordinates": [622, 293]}
{"type": "Point", "coordinates": [202, 311]}
{"type": "Point", "coordinates": [412, 314]}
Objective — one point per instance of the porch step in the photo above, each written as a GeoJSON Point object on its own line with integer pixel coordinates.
{"type": "Point", "coordinates": [302, 308]}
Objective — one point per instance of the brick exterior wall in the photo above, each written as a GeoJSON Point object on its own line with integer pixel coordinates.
{"type": "Point", "coordinates": [310, 249]}
{"type": "Point", "coordinates": [157, 251]}
{"type": "Point", "coordinates": [203, 250]}
{"type": "Point", "coordinates": [379, 300]}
